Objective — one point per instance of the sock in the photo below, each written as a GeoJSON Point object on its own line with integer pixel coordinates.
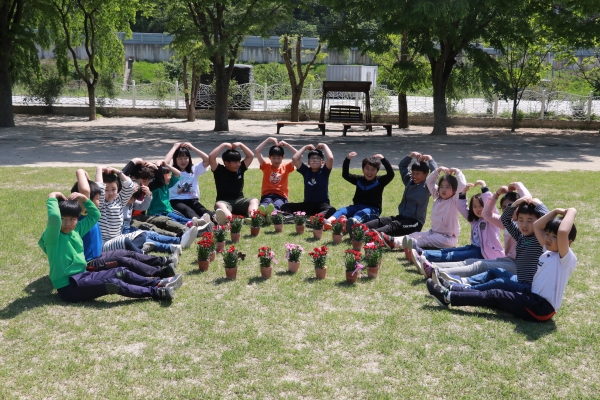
{"type": "Point", "coordinates": [398, 242]}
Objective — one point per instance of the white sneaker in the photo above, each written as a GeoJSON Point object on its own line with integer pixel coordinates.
{"type": "Point", "coordinates": [206, 217]}
{"type": "Point", "coordinates": [405, 241]}
{"type": "Point", "coordinates": [195, 221]}
{"type": "Point", "coordinates": [176, 249]}
{"type": "Point", "coordinates": [221, 217]}
{"type": "Point", "coordinates": [188, 237]}
{"type": "Point", "coordinates": [147, 247]}
{"type": "Point", "coordinates": [208, 227]}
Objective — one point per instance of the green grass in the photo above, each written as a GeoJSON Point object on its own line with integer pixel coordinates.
{"type": "Point", "coordinates": [291, 336]}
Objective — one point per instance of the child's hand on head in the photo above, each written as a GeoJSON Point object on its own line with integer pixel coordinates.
{"type": "Point", "coordinates": [521, 200]}
{"type": "Point", "coordinates": [378, 156]}
{"type": "Point", "coordinates": [235, 145]}
{"type": "Point", "coordinates": [502, 190]}
{"type": "Point", "coordinates": [77, 196]}
{"type": "Point", "coordinates": [452, 171]}
{"type": "Point", "coordinates": [560, 211]}
{"type": "Point", "coordinates": [444, 170]}
{"type": "Point", "coordinates": [480, 182]}
{"type": "Point", "coordinates": [274, 140]}
{"type": "Point", "coordinates": [110, 170]}
{"type": "Point", "coordinates": [352, 154]}
{"type": "Point", "coordinates": [137, 160]}
{"type": "Point", "coordinates": [310, 147]}
{"type": "Point", "coordinates": [425, 158]}
{"type": "Point", "coordinates": [415, 154]}
{"type": "Point", "coordinates": [57, 195]}
{"type": "Point", "coordinates": [535, 201]}
{"type": "Point", "coordinates": [186, 144]}
{"type": "Point", "coordinates": [321, 146]}
{"type": "Point", "coordinates": [467, 187]}
{"type": "Point", "coordinates": [146, 190]}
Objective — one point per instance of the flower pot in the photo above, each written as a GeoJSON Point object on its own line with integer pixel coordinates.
{"type": "Point", "coordinates": [356, 245]}
{"type": "Point", "coordinates": [213, 256]}
{"type": "Point", "coordinates": [317, 233]}
{"type": "Point", "coordinates": [293, 266]}
{"type": "Point", "coordinates": [230, 273]}
{"type": "Point", "coordinates": [320, 273]}
{"type": "Point", "coordinates": [220, 246]}
{"type": "Point", "coordinates": [351, 278]}
{"type": "Point", "coordinates": [265, 272]}
{"type": "Point", "coordinates": [372, 272]}
{"type": "Point", "coordinates": [299, 229]}
{"type": "Point", "coordinates": [337, 239]}
{"type": "Point", "coordinates": [235, 237]}
{"type": "Point", "coordinates": [254, 231]}
{"type": "Point", "coordinates": [278, 227]}
{"type": "Point", "coordinates": [203, 265]}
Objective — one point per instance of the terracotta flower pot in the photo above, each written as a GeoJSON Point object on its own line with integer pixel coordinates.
{"type": "Point", "coordinates": [235, 237]}
{"type": "Point", "coordinates": [265, 272]}
{"type": "Point", "coordinates": [213, 256]}
{"type": "Point", "coordinates": [293, 266]}
{"type": "Point", "coordinates": [317, 233]}
{"type": "Point", "coordinates": [203, 265]}
{"type": "Point", "coordinates": [337, 239]}
{"type": "Point", "coordinates": [220, 246]}
{"type": "Point", "coordinates": [230, 273]}
{"type": "Point", "coordinates": [300, 229]}
{"type": "Point", "coordinates": [372, 272]}
{"type": "Point", "coordinates": [356, 245]}
{"type": "Point", "coordinates": [278, 227]}
{"type": "Point", "coordinates": [254, 231]}
{"type": "Point", "coordinates": [351, 278]}
{"type": "Point", "coordinates": [321, 273]}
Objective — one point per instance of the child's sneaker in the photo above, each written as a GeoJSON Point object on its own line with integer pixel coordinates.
{"type": "Point", "coordinates": [327, 225]}
{"type": "Point", "coordinates": [173, 259]}
{"type": "Point", "coordinates": [221, 217]}
{"type": "Point", "coordinates": [417, 262]}
{"type": "Point", "coordinates": [172, 282]}
{"type": "Point", "coordinates": [147, 247]}
{"type": "Point", "coordinates": [427, 267]}
{"type": "Point", "coordinates": [408, 249]}
{"type": "Point", "coordinates": [167, 271]}
{"type": "Point", "coordinates": [438, 279]}
{"type": "Point", "coordinates": [387, 240]}
{"type": "Point", "coordinates": [195, 221]}
{"type": "Point", "coordinates": [188, 238]}
{"type": "Point", "coordinates": [206, 218]}
{"type": "Point", "coordinates": [349, 223]}
{"type": "Point", "coordinates": [205, 228]}
{"type": "Point", "coordinates": [438, 292]}
{"type": "Point", "coordinates": [164, 293]}
{"type": "Point", "coordinates": [405, 241]}
{"type": "Point", "coordinates": [175, 249]}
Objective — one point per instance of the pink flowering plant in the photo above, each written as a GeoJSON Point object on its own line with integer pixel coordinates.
{"type": "Point", "coordinates": [219, 232]}
{"type": "Point", "coordinates": [266, 256]}
{"type": "Point", "coordinates": [277, 217]}
{"type": "Point", "coordinates": [373, 253]}
{"type": "Point", "coordinates": [299, 218]}
{"type": "Point", "coordinates": [235, 223]}
{"type": "Point", "coordinates": [293, 252]}
{"type": "Point", "coordinates": [352, 261]}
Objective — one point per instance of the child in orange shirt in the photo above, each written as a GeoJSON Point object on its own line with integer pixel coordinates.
{"type": "Point", "coordinates": [274, 192]}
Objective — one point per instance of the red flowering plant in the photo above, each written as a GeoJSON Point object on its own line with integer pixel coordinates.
{"type": "Point", "coordinates": [352, 261]}
{"type": "Point", "coordinates": [206, 245]}
{"type": "Point", "coordinates": [359, 232]}
{"type": "Point", "coordinates": [337, 227]}
{"type": "Point", "coordinates": [219, 232]}
{"type": "Point", "coordinates": [373, 252]}
{"type": "Point", "coordinates": [266, 256]}
{"type": "Point", "coordinates": [235, 223]}
{"type": "Point", "coordinates": [319, 257]}
{"type": "Point", "coordinates": [231, 257]}
{"type": "Point", "coordinates": [317, 221]}
{"type": "Point", "coordinates": [257, 219]}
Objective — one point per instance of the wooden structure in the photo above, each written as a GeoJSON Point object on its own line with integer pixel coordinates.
{"type": "Point", "coordinates": [346, 86]}
{"type": "Point", "coordinates": [345, 114]}
{"type": "Point", "coordinates": [281, 124]}
{"type": "Point", "coordinates": [388, 127]}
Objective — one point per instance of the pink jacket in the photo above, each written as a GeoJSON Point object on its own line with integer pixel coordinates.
{"type": "Point", "coordinates": [491, 247]}
{"type": "Point", "coordinates": [444, 215]}
{"type": "Point", "coordinates": [490, 214]}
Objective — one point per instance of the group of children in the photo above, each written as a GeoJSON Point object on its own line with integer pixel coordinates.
{"type": "Point", "coordinates": [97, 239]}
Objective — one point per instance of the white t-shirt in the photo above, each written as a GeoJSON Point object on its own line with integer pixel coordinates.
{"type": "Point", "coordinates": [552, 276]}
{"type": "Point", "coordinates": [187, 187]}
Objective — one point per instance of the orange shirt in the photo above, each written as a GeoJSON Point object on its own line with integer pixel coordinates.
{"type": "Point", "coordinates": [275, 180]}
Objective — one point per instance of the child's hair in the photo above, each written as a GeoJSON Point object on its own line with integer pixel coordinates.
{"type": "Point", "coordinates": [372, 161]}
{"type": "Point", "coordinates": [94, 189]}
{"type": "Point", "coordinates": [316, 152]}
{"type": "Point", "coordinates": [472, 217]}
{"type": "Point", "coordinates": [165, 170]}
{"type": "Point", "coordinates": [511, 196]}
{"type": "Point", "coordinates": [553, 225]}
{"type": "Point", "coordinates": [111, 178]}
{"type": "Point", "coordinates": [183, 151]}
{"type": "Point", "coordinates": [143, 172]}
{"type": "Point", "coordinates": [452, 181]}
{"type": "Point", "coordinates": [138, 193]}
{"type": "Point", "coordinates": [528, 209]}
{"type": "Point", "coordinates": [420, 166]}
{"type": "Point", "coordinates": [276, 151]}
{"type": "Point", "coordinates": [231, 155]}
{"type": "Point", "coordinates": [69, 208]}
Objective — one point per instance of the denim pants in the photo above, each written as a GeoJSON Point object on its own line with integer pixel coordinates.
{"type": "Point", "coordinates": [161, 242]}
{"type": "Point", "coordinates": [178, 218]}
{"type": "Point", "coordinates": [497, 278]}
{"type": "Point", "coordinates": [360, 212]}
{"type": "Point", "coordinates": [274, 199]}
{"type": "Point", "coordinates": [453, 254]}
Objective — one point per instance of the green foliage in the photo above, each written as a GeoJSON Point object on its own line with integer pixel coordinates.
{"type": "Point", "coordinates": [148, 72]}
{"type": "Point", "coordinates": [380, 101]}
{"type": "Point", "coordinates": [270, 73]}
{"type": "Point", "coordinates": [46, 87]}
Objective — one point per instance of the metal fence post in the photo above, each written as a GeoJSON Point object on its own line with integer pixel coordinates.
{"type": "Point", "coordinates": [590, 99]}
{"type": "Point", "coordinates": [543, 104]}
{"type": "Point", "coordinates": [265, 98]}
{"type": "Point", "coordinates": [495, 106]}
{"type": "Point", "coordinates": [133, 94]}
{"type": "Point", "coordinates": [310, 97]}
{"type": "Point", "coordinates": [176, 95]}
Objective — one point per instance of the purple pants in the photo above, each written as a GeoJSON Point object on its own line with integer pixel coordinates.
{"type": "Point", "coordinates": [141, 264]}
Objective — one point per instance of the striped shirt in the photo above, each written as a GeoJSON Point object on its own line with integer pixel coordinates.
{"type": "Point", "coordinates": [118, 242]}
{"type": "Point", "coordinates": [528, 248]}
{"type": "Point", "coordinates": [111, 221]}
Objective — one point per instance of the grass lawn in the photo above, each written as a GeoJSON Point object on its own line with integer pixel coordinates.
{"type": "Point", "coordinates": [290, 336]}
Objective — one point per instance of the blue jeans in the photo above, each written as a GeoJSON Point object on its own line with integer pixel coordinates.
{"type": "Point", "coordinates": [453, 254]}
{"type": "Point", "coordinates": [178, 218]}
{"type": "Point", "coordinates": [161, 242]}
{"type": "Point", "coordinates": [359, 212]}
{"type": "Point", "coordinates": [497, 278]}
{"type": "Point", "coordinates": [274, 199]}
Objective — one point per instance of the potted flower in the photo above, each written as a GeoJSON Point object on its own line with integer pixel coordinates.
{"type": "Point", "coordinates": [358, 234]}
{"type": "Point", "coordinates": [372, 257]}
{"type": "Point", "coordinates": [293, 253]}
{"type": "Point", "coordinates": [277, 219]}
{"type": "Point", "coordinates": [317, 221]}
{"type": "Point", "coordinates": [300, 220]}
{"type": "Point", "coordinates": [257, 220]}
{"type": "Point", "coordinates": [353, 266]}
{"type": "Point", "coordinates": [265, 257]}
{"type": "Point", "coordinates": [219, 232]}
{"type": "Point", "coordinates": [235, 225]}
{"type": "Point", "coordinates": [337, 230]}
{"type": "Point", "coordinates": [319, 259]}
{"type": "Point", "coordinates": [205, 250]}
{"type": "Point", "coordinates": [230, 261]}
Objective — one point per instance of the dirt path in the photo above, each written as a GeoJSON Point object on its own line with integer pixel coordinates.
{"type": "Point", "coordinates": [72, 141]}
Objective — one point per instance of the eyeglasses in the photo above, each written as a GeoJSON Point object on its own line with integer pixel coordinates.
{"type": "Point", "coordinates": [315, 159]}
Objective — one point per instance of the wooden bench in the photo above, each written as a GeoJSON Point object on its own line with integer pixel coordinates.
{"type": "Point", "coordinates": [388, 127]}
{"type": "Point", "coordinates": [282, 123]}
{"type": "Point", "coordinates": [345, 114]}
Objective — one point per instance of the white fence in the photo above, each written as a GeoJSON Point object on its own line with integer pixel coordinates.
{"type": "Point", "coordinates": [251, 96]}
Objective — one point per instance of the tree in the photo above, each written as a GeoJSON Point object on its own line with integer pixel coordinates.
{"type": "Point", "coordinates": [291, 51]}
{"type": "Point", "coordinates": [194, 63]}
{"type": "Point", "coordinates": [92, 24]}
{"type": "Point", "coordinates": [588, 68]}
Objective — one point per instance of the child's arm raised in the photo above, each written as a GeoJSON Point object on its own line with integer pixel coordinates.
{"type": "Point", "coordinates": [173, 170]}
{"type": "Point", "coordinates": [389, 170]}
{"type": "Point", "coordinates": [283, 143]}
{"type": "Point", "coordinates": [328, 153]}
{"type": "Point", "coordinates": [346, 169]}
{"type": "Point", "coordinates": [260, 148]}
{"type": "Point", "coordinates": [431, 181]}
{"type": "Point", "coordinates": [520, 188]}
{"type": "Point", "coordinates": [247, 152]}
{"type": "Point", "coordinates": [562, 237]}
{"type": "Point", "coordinates": [169, 157]}
{"type": "Point", "coordinates": [462, 181]}
{"type": "Point", "coordinates": [200, 153]}
{"type": "Point", "coordinates": [212, 157]}
{"type": "Point", "coordinates": [297, 158]}
{"type": "Point", "coordinates": [83, 185]}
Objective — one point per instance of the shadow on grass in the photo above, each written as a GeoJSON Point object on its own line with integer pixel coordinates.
{"type": "Point", "coordinates": [285, 273]}
{"type": "Point", "coordinates": [313, 279]}
{"type": "Point", "coordinates": [346, 284]}
{"type": "Point", "coordinates": [271, 233]}
{"type": "Point", "coordinates": [256, 280]}
{"type": "Point", "coordinates": [222, 280]}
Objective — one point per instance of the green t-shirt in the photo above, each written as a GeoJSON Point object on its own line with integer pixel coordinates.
{"type": "Point", "coordinates": [65, 251]}
{"type": "Point", "coordinates": [160, 198]}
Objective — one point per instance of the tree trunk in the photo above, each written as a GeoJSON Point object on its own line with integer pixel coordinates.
{"type": "Point", "coordinates": [514, 112]}
{"type": "Point", "coordinates": [6, 113]}
{"type": "Point", "coordinates": [440, 74]}
{"type": "Point", "coordinates": [221, 95]}
{"type": "Point", "coordinates": [92, 100]}
{"type": "Point", "coordinates": [296, 96]}
{"type": "Point", "coordinates": [402, 111]}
